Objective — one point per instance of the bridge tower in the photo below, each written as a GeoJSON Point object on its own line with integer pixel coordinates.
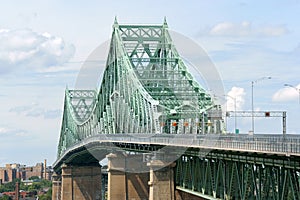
{"type": "Point", "coordinates": [146, 89]}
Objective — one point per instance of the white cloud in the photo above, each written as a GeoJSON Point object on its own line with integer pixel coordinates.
{"type": "Point", "coordinates": [21, 109]}
{"type": "Point", "coordinates": [245, 28]}
{"type": "Point", "coordinates": [4, 30]}
{"type": "Point", "coordinates": [273, 31]}
{"type": "Point", "coordinates": [10, 132]}
{"type": "Point", "coordinates": [25, 48]}
{"type": "Point", "coordinates": [287, 94]}
{"type": "Point", "coordinates": [235, 95]}
{"type": "Point", "coordinates": [34, 110]}
{"type": "Point", "coordinates": [229, 28]}
{"type": "Point", "coordinates": [3, 131]}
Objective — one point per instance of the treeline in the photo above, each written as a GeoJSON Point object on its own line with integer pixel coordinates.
{"type": "Point", "coordinates": [34, 188]}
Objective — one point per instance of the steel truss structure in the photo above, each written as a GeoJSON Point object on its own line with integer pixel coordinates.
{"type": "Point", "coordinates": [230, 176]}
{"type": "Point", "coordinates": [146, 88]}
{"type": "Point", "coordinates": [281, 114]}
{"type": "Point", "coordinates": [265, 114]}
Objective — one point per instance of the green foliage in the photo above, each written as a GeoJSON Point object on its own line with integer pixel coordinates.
{"type": "Point", "coordinates": [23, 187]}
{"type": "Point", "coordinates": [5, 198]}
{"type": "Point", "coordinates": [7, 187]}
{"type": "Point", "coordinates": [47, 196]}
{"type": "Point", "coordinates": [45, 183]}
{"type": "Point", "coordinates": [34, 178]}
{"type": "Point", "coordinates": [34, 188]}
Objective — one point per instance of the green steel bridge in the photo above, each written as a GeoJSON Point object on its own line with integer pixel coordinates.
{"type": "Point", "coordinates": [150, 104]}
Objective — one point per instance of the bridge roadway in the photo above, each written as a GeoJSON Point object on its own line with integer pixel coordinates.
{"type": "Point", "coordinates": [186, 150]}
{"type": "Point", "coordinates": [147, 88]}
{"type": "Point", "coordinates": [273, 144]}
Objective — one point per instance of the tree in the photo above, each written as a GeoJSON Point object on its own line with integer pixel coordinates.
{"type": "Point", "coordinates": [46, 183]}
{"type": "Point", "coordinates": [34, 178]}
{"type": "Point", "coordinates": [5, 197]}
{"type": "Point", "coordinates": [47, 196]}
{"type": "Point", "coordinates": [7, 187]}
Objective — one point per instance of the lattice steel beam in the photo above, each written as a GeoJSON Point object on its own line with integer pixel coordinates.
{"type": "Point", "coordinates": [265, 114]}
{"type": "Point", "coordinates": [231, 179]}
{"type": "Point", "coordinates": [145, 84]}
{"type": "Point", "coordinates": [256, 113]}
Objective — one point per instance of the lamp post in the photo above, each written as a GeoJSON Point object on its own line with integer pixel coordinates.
{"type": "Point", "coordinates": [297, 89]}
{"type": "Point", "coordinates": [252, 97]}
{"type": "Point", "coordinates": [235, 121]}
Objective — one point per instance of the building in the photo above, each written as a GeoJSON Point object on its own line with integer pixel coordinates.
{"type": "Point", "coordinates": [13, 171]}
{"type": "Point", "coordinates": [22, 194]}
{"type": "Point", "coordinates": [36, 170]}
{"type": "Point", "coordinates": [7, 174]}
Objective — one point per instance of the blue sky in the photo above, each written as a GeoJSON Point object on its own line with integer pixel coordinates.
{"type": "Point", "coordinates": [43, 44]}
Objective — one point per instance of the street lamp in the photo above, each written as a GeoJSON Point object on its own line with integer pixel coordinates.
{"type": "Point", "coordinates": [297, 89]}
{"type": "Point", "coordinates": [252, 97]}
{"type": "Point", "coordinates": [234, 98]}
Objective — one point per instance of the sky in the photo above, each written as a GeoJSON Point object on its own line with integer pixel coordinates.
{"type": "Point", "coordinates": [43, 45]}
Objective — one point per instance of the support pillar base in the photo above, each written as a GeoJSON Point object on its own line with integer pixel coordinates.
{"type": "Point", "coordinates": [81, 182]}
{"type": "Point", "coordinates": [161, 180]}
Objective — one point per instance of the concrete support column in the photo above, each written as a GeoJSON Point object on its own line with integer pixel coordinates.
{"type": "Point", "coordinates": [161, 181]}
{"type": "Point", "coordinates": [66, 183]}
{"type": "Point", "coordinates": [56, 186]}
{"type": "Point", "coordinates": [81, 182]}
{"type": "Point", "coordinates": [116, 188]}
{"type": "Point", "coordinates": [127, 177]}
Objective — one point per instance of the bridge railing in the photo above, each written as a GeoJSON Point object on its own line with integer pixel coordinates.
{"type": "Point", "coordinates": [280, 144]}
{"type": "Point", "coordinates": [269, 144]}
{"type": "Point", "coordinates": [289, 144]}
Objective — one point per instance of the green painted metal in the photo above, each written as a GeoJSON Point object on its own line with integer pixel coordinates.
{"type": "Point", "coordinates": [225, 177]}
{"type": "Point", "coordinates": [146, 88]}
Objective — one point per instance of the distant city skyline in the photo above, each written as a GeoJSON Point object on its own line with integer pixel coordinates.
{"type": "Point", "coordinates": [12, 171]}
{"type": "Point", "coordinates": [43, 45]}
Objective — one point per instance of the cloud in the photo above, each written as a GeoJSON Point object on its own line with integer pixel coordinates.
{"type": "Point", "coordinates": [51, 114]}
{"type": "Point", "coordinates": [21, 109]}
{"type": "Point", "coordinates": [3, 131]}
{"type": "Point", "coordinates": [286, 94]}
{"type": "Point", "coordinates": [272, 31]}
{"type": "Point", "coordinates": [10, 132]}
{"type": "Point", "coordinates": [235, 95]}
{"type": "Point", "coordinates": [47, 114]}
{"type": "Point", "coordinates": [245, 28]}
{"type": "Point", "coordinates": [24, 48]}
{"type": "Point", "coordinates": [34, 110]}
{"type": "Point", "coordinates": [228, 29]}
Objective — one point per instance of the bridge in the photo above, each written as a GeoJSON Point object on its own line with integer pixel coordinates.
{"type": "Point", "coordinates": [162, 134]}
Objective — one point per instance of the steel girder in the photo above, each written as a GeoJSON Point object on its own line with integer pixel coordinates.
{"type": "Point", "coordinates": [78, 107]}
{"type": "Point", "coordinates": [224, 178]}
{"type": "Point", "coordinates": [146, 88]}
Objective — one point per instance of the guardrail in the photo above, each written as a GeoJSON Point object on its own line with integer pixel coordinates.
{"type": "Point", "coordinates": [273, 144]}
{"type": "Point", "coordinates": [289, 144]}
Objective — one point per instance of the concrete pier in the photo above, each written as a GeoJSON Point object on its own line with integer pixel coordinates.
{"type": "Point", "coordinates": [123, 183]}
{"type": "Point", "coordinates": [161, 180]}
{"type": "Point", "coordinates": [81, 182]}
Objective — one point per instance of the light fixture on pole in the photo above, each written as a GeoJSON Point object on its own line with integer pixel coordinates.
{"type": "Point", "coordinates": [252, 97]}
{"type": "Point", "coordinates": [235, 121]}
{"type": "Point", "coordinates": [297, 89]}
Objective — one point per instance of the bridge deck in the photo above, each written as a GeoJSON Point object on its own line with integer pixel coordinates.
{"type": "Point", "coordinates": [264, 144]}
